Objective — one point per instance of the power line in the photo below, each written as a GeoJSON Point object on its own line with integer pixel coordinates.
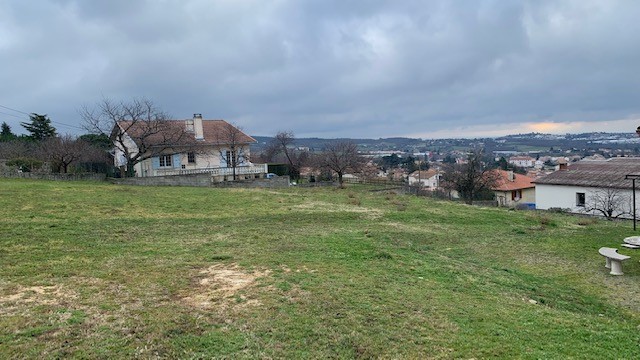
{"type": "Point", "coordinates": [8, 108]}
{"type": "Point", "coordinates": [14, 115]}
{"type": "Point", "coordinates": [22, 112]}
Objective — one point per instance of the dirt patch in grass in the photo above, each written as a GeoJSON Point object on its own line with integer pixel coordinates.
{"type": "Point", "coordinates": [24, 297]}
{"type": "Point", "coordinates": [223, 286]}
{"type": "Point", "coordinates": [320, 206]}
{"type": "Point", "coordinates": [433, 228]}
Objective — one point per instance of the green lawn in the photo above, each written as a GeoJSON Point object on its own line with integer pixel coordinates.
{"type": "Point", "coordinates": [92, 270]}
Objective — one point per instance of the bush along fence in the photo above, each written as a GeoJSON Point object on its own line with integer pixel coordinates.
{"type": "Point", "coordinates": [55, 177]}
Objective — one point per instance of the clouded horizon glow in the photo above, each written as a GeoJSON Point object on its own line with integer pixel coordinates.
{"type": "Point", "coordinates": [331, 68]}
{"type": "Point", "coordinates": [498, 130]}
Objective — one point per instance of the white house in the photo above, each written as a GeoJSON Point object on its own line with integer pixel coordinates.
{"type": "Point", "coordinates": [522, 161]}
{"type": "Point", "coordinates": [429, 179]}
{"type": "Point", "coordinates": [188, 147]}
{"type": "Point", "coordinates": [590, 186]}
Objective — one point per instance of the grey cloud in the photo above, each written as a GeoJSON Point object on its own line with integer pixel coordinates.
{"type": "Point", "coordinates": [328, 68]}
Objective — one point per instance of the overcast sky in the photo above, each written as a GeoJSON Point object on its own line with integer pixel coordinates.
{"type": "Point", "coordinates": [327, 68]}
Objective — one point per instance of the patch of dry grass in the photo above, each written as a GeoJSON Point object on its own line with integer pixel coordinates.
{"type": "Point", "coordinates": [220, 286]}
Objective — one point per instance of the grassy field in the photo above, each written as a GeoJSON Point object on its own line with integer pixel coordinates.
{"type": "Point", "coordinates": [92, 270]}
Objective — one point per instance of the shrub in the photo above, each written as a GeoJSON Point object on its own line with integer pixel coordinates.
{"type": "Point", "coordinates": [25, 164]}
{"type": "Point", "coordinates": [587, 221]}
{"type": "Point", "coordinates": [546, 221]}
{"type": "Point", "coordinates": [401, 206]}
{"type": "Point", "coordinates": [559, 210]}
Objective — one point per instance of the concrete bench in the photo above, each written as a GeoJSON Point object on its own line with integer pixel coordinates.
{"type": "Point", "coordinates": [613, 260]}
{"type": "Point", "coordinates": [630, 246]}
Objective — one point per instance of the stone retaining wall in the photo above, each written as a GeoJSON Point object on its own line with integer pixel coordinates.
{"type": "Point", "coordinates": [203, 180]}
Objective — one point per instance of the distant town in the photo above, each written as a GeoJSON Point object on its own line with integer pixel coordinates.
{"type": "Point", "coordinates": [535, 152]}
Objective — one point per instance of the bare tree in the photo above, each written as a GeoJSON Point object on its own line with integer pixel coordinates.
{"type": "Point", "coordinates": [17, 148]}
{"type": "Point", "coordinates": [138, 129]}
{"type": "Point", "coordinates": [62, 151]}
{"type": "Point", "coordinates": [282, 144]}
{"type": "Point", "coordinates": [21, 154]}
{"type": "Point", "coordinates": [611, 203]}
{"type": "Point", "coordinates": [341, 157]}
{"type": "Point", "coordinates": [470, 179]}
{"type": "Point", "coordinates": [235, 152]}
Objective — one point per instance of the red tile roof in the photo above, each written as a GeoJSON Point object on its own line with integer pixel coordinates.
{"type": "Point", "coordinates": [425, 174]}
{"type": "Point", "coordinates": [503, 183]}
{"type": "Point", "coordinates": [215, 133]}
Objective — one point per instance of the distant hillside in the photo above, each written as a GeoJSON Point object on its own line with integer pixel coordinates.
{"type": "Point", "coordinates": [531, 142]}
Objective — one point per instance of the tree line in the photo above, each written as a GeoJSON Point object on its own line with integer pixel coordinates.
{"type": "Point", "coordinates": [44, 146]}
{"type": "Point", "coordinates": [152, 131]}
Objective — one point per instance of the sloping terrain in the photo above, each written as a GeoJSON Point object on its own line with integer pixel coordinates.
{"type": "Point", "coordinates": [91, 270]}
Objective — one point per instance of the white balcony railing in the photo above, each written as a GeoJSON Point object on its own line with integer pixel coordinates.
{"type": "Point", "coordinates": [218, 171]}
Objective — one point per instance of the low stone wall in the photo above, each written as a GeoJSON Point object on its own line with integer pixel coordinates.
{"type": "Point", "coordinates": [168, 180]}
{"type": "Point", "coordinates": [202, 180]}
{"type": "Point", "coordinates": [55, 177]}
{"type": "Point", "coordinates": [278, 182]}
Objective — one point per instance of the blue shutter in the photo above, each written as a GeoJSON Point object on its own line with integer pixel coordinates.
{"type": "Point", "coordinates": [155, 162]}
{"type": "Point", "coordinates": [223, 158]}
{"type": "Point", "coordinates": [176, 160]}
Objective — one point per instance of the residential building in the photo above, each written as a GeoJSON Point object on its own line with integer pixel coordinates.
{"type": "Point", "coordinates": [513, 189]}
{"type": "Point", "coordinates": [203, 146]}
{"type": "Point", "coordinates": [589, 185]}
{"type": "Point", "coordinates": [522, 161]}
{"type": "Point", "coordinates": [427, 179]}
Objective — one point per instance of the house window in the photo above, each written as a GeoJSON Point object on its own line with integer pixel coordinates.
{"type": "Point", "coordinates": [191, 157]}
{"type": "Point", "coordinates": [516, 195]}
{"type": "Point", "coordinates": [230, 157]}
{"type": "Point", "coordinates": [165, 161]}
{"type": "Point", "coordinates": [580, 199]}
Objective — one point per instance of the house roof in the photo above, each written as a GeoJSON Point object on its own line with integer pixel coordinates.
{"type": "Point", "coordinates": [504, 183]}
{"type": "Point", "coordinates": [516, 158]}
{"type": "Point", "coordinates": [595, 173]}
{"type": "Point", "coordinates": [216, 132]}
{"type": "Point", "coordinates": [425, 174]}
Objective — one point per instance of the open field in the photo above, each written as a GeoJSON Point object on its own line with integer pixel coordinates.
{"type": "Point", "coordinates": [91, 270]}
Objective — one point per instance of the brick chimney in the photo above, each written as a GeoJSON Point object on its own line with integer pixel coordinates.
{"type": "Point", "coordinates": [197, 126]}
{"type": "Point", "coordinates": [511, 176]}
{"type": "Point", "coordinates": [562, 165]}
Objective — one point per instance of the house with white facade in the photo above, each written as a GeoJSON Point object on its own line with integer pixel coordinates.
{"type": "Point", "coordinates": [428, 179]}
{"type": "Point", "coordinates": [188, 146]}
{"type": "Point", "coordinates": [588, 186]}
{"type": "Point", "coordinates": [522, 161]}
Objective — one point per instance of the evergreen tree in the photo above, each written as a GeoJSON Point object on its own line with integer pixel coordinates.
{"type": "Point", "coordinates": [503, 164]}
{"type": "Point", "coordinates": [5, 133]}
{"type": "Point", "coordinates": [100, 141]}
{"type": "Point", "coordinates": [40, 127]}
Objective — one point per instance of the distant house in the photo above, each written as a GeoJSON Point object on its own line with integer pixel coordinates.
{"type": "Point", "coordinates": [427, 179]}
{"type": "Point", "coordinates": [583, 185]}
{"type": "Point", "coordinates": [522, 161]}
{"type": "Point", "coordinates": [204, 146]}
{"type": "Point", "coordinates": [513, 189]}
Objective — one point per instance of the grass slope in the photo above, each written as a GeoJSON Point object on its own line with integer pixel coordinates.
{"type": "Point", "coordinates": [91, 270]}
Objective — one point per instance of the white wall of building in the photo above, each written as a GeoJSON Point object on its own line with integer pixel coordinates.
{"type": "Point", "coordinates": [432, 182]}
{"type": "Point", "coordinates": [565, 196]}
{"type": "Point", "coordinates": [205, 159]}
